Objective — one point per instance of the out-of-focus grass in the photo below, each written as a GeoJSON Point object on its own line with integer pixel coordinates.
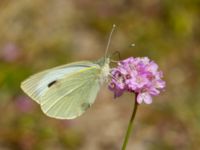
{"type": "Point", "coordinates": [35, 35]}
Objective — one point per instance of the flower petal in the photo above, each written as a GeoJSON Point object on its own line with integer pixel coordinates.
{"type": "Point", "coordinates": [146, 97]}
{"type": "Point", "coordinates": [140, 98]}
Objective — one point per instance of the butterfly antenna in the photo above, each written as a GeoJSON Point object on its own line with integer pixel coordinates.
{"type": "Point", "coordinates": [109, 40]}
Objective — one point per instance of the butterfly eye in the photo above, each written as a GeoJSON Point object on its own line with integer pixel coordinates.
{"type": "Point", "coordinates": [52, 83]}
{"type": "Point", "coordinates": [112, 85]}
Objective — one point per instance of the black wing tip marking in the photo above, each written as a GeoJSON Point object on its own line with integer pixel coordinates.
{"type": "Point", "coordinates": [51, 83]}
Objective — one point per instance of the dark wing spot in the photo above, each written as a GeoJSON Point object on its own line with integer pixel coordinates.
{"type": "Point", "coordinates": [85, 106]}
{"type": "Point", "coordinates": [52, 83]}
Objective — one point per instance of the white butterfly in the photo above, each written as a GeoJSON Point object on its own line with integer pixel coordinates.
{"type": "Point", "coordinates": [67, 91]}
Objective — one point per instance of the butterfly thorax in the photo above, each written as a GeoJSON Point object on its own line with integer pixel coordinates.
{"type": "Point", "coordinates": [105, 69]}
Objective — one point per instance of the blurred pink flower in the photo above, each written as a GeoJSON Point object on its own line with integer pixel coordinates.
{"type": "Point", "coordinates": [10, 52]}
{"type": "Point", "coordinates": [137, 75]}
{"type": "Point", "coordinates": [24, 104]}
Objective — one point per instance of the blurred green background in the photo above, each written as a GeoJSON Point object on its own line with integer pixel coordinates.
{"type": "Point", "coordinates": [40, 34]}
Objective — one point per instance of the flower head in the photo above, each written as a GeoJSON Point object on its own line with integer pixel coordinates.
{"type": "Point", "coordinates": [138, 75]}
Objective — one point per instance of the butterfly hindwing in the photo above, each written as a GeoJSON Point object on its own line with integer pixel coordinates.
{"type": "Point", "coordinates": [70, 96]}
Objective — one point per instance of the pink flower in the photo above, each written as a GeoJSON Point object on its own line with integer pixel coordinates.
{"type": "Point", "coordinates": [23, 104]}
{"type": "Point", "coordinates": [137, 75]}
{"type": "Point", "coordinates": [10, 52]}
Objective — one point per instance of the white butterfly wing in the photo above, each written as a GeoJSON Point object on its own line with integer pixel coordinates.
{"type": "Point", "coordinates": [72, 95]}
{"type": "Point", "coordinates": [37, 85]}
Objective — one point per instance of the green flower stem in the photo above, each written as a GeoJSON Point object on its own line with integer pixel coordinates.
{"type": "Point", "coordinates": [130, 125]}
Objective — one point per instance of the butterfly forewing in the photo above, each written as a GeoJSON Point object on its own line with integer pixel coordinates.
{"type": "Point", "coordinates": [37, 85]}
{"type": "Point", "coordinates": [70, 96]}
